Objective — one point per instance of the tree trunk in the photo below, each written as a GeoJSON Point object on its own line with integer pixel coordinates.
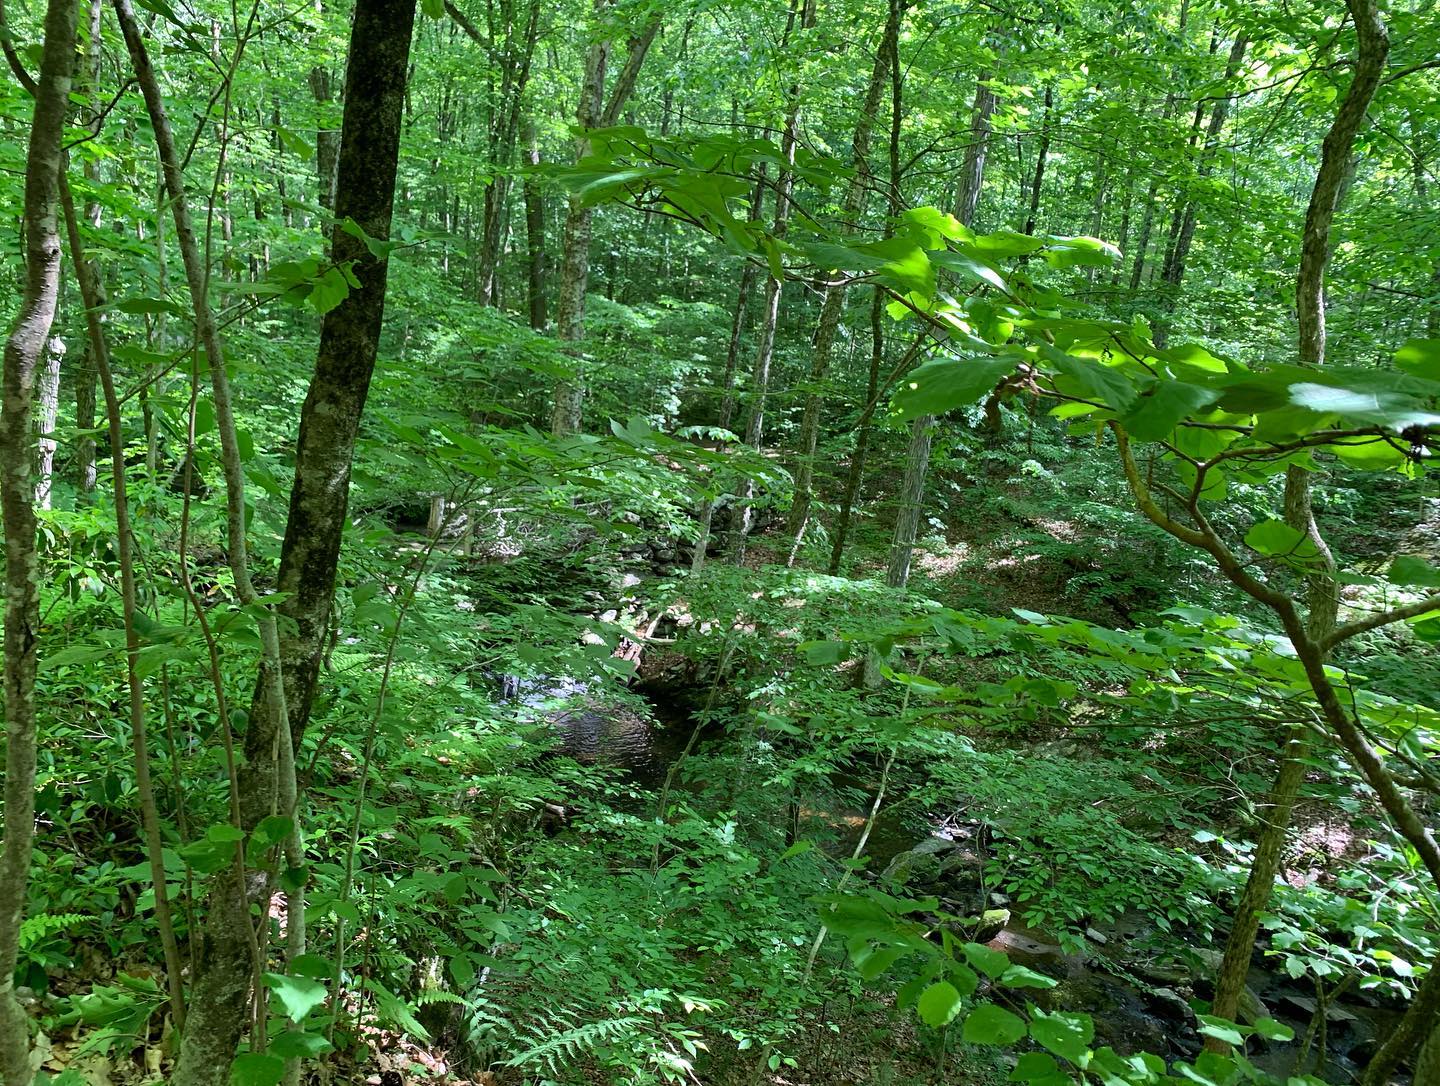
{"type": "Point", "coordinates": [23, 350]}
{"type": "Point", "coordinates": [327, 140]}
{"type": "Point", "coordinates": [833, 306]}
{"type": "Point", "coordinates": [1037, 183]}
{"type": "Point", "coordinates": [774, 287]}
{"type": "Point", "coordinates": [47, 396]}
{"type": "Point", "coordinates": [349, 339]}
{"type": "Point", "coordinates": [1322, 587]}
{"type": "Point", "coordinates": [575, 268]}
{"type": "Point", "coordinates": [534, 234]}
{"type": "Point", "coordinates": [912, 501]}
{"type": "Point", "coordinates": [1423, 1015]}
{"type": "Point", "coordinates": [85, 377]}
{"type": "Point", "coordinates": [1264, 868]}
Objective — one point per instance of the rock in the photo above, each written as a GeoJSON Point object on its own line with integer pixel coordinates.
{"type": "Point", "coordinates": [1251, 1008]}
{"type": "Point", "coordinates": [990, 924]}
{"type": "Point", "coordinates": [1169, 1003]}
{"type": "Point", "coordinates": [998, 899]}
{"type": "Point", "coordinates": [1307, 1006]}
{"type": "Point", "coordinates": [1096, 937]}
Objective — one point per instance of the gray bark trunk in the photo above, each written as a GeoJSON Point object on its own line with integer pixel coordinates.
{"type": "Point", "coordinates": [575, 268]}
{"type": "Point", "coordinates": [911, 501]}
{"type": "Point", "coordinates": [22, 355]}
{"type": "Point", "coordinates": [47, 397]}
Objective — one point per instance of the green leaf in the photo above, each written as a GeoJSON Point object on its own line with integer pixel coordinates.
{"type": "Point", "coordinates": [825, 652]}
{"type": "Point", "coordinates": [988, 1024]}
{"type": "Point", "coordinates": [939, 1004]}
{"type": "Point", "coordinates": [1420, 358]}
{"type": "Point", "coordinates": [313, 966]}
{"type": "Point", "coordinates": [944, 384]}
{"type": "Point", "coordinates": [151, 306]}
{"type": "Point", "coordinates": [298, 995]}
{"type": "Point", "coordinates": [257, 1069]}
{"type": "Point", "coordinates": [1272, 1030]}
{"type": "Point", "coordinates": [435, 9]}
{"type": "Point", "coordinates": [1161, 409]}
{"type": "Point", "coordinates": [1279, 540]}
{"type": "Point", "coordinates": [1039, 1069]}
{"type": "Point", "coordinates": [1222, 1029]}
{"type": "Point", "coordinates": [993, 963]}
{"type": "Point", "coordinates": [1066, 1035]}
{"type": "Point", "coordinates": [299, 1045]}
{"type": "Point", "coordinates": [1412, 571]}
{"type": "Point", "coordinates": [330, 289]}
{"type": "Point", "coordinates": [1019, 976]}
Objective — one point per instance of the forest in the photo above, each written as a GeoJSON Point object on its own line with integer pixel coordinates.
{"type": "Point", "coordinates": [746, 543]}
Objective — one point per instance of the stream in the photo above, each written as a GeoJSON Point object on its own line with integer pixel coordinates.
{"type": "Point", "coordinates": [1140, 1001]}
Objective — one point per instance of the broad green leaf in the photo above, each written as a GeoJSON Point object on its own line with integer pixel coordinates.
{"type": "Point", "coordinates": [944, 384]}
{"type": "Point", "coordinates": [1272, 1030]}
{"type": "Point", "coordinates": [299, 1045]}
{"type": "Point", "coordinates": [988, 1024]}
{"type": "Point", "coordinates": [1159, 410]}
{"type": "Point", "coordinates": [1278, 540]}
{"type": "Point", "coordinates": [993, 963]}
{"type": "Point", "coordinates": [1412, 571]}
{"type": "Point", "coordinates": [939, 1004]}
{"type": "Point", "coordinates": [298, 995]}
{"type": "Point", "coordinates": [1222, 1029]}
{"type": "Point", "coordinates": [1421, 358]}
{"type": "Point", "coordinates": [1066, 1035]}
{"type": "Point", "coordinates": [257, 1069]}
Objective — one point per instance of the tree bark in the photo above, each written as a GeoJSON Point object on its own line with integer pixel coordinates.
{"type": "Point", "coordinates": [23, 350]}
{"type": "Point", "coordinates": [47, 396]}
{"type": "Point", "coordinates": [912, 501]}
{"type": "Point", "coordinates": [327, 140]}
{"type": "Point", "coordinates": [1037, 183]}
{"type": "Point", "coordinates": [833, 305]}
{"type": "Point", "coordinates": [534, 234]}
{"type": "Point", "coordinates": [774, 288]}
{"type": "Point", "coordinates": [86, 375]}
{"type": "Point", "coordinates": [575, 267]}
{"type": "Point", "coordinates": [367, 165]}
{"type": "Point", "coordinates": [1423, 1015]}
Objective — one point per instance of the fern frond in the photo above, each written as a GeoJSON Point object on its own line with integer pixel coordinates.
{"type": "Point", "coordinates": [45, 925]}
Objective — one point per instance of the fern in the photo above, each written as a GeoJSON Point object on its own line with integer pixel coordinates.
{"type": "Point", "coordinates": [574, 1043]}
{"type": "Point", "coordinates": [427, 996]}
{"type": "Point", "coordinates": [38, 928]}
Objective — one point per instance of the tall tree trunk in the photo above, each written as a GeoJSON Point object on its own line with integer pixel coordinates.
{"type": "Point", "coordinates": [1322, 587]}
{"type": "Point", "coordinates": [855, 473]}
{"type": "Point", "coordinates": [911, 501]}
{"type": "Point", "coordinates": [1423, 1015]}
{"type": "Point", "coordinates": [47, 396]}
{"type": "Point", "coordinates": [327, 140]}
{"type": "Point", "coordinates": [774, 287]}
{"type": "Point", "coordinates": [1175, 271]}
{"type": "Point", "coordinates": [833, 306]}
{"type": "Point", "coordinates": [534, 234]}
{"type": "Point", "coordinates": [1037, 183]}
{"type": "Point", "coordinates": [85, 377]}
{"type": "Point", "coordinates": [575, 266]}
{"type": "Point", "coordinates": [349, 338]}
{"type": "Point", "coordinates": [727, 394]}
{"type": "Point", "coordinates": [917, 455]}
{"type": "Point", "coordinates": [23, 350]}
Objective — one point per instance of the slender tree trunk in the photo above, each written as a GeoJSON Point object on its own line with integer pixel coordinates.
{"type": "Point", "coordinates": [327, 140]}
{"type": "Point", "coordinates": [575, 267]}
{"type": "Point", "coordinates": [85, 376]}
{"type": "Point", "coordinates": [47, 397]}
{"type": "Point", "coordinates": [832, 307]}
{"type": "Point", "coordinates": [1037, 183]}
{"type": "Point", "coordinates": [727, 395]}
{"type": "Point", "coordinates": [534, 234]}
{"type": "Point", "coordinates": [368, 158]}
{"type": "Point", "coordinates": [911, 501]}
{"type": "Point", "coordinates": [1422, 1015]}
{"type": "Point", "coordinates": [774, 287]}
{"type": "Point", "coordinates": [1322, 587]}
{"type": "Point", "coordinates": [856, 471]}
{"type": "Point", "coordinates": [23, 350]}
